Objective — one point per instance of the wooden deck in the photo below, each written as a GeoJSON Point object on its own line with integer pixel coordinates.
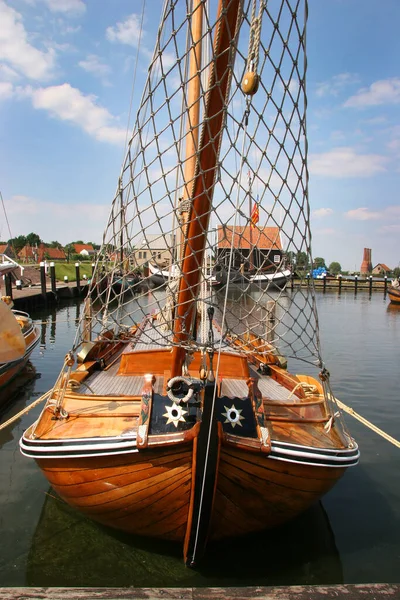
{"type": "Point", "coordinates": [365, 591]}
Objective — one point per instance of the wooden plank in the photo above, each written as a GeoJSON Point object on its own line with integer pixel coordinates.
{"type": "Point", "coordinates": [364, 591]}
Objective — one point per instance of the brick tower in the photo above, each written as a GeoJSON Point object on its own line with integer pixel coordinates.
{"type": "Point", "coordinates": [366, 265]}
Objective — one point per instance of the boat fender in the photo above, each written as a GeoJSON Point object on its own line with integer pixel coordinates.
{"type": "Point", "coordinates": [179, 380]}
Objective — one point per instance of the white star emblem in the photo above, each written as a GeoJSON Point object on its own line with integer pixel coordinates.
{"type": "Point", "coordinates": [175, 414]}
{"type": "Point", "coordinates": [233, 416]}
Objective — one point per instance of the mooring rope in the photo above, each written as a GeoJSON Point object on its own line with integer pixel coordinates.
{"type": "Point", "coordinates": [367, 423]}
{"type": "Point", "coordinates": [25, 410]}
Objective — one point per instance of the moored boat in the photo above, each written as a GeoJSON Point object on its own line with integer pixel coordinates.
{"type": "Point", "coordinates": [394, 292]}
{"type": "Point", "coordinates": [174, 415]}
{"type": "Point", "coordinates": [18, 337]}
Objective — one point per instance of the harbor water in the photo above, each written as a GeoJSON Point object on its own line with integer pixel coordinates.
{"type": "Point", "coordinates": [353, 536]}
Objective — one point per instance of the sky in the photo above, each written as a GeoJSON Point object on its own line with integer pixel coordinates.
{"type": "Point", "coordinates": [66, 72]}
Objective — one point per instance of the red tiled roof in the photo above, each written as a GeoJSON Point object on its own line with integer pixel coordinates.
{"type": "Point", "coordinates": [3, 248]}
{"type": "Point", "coordinates": [26, 252]}
{"type": "Point", "coordinates": [267, 238]}
{"type": "Point", "coordinates": [79, 247]}
{"type": "Point", "coordinates": [383, 266]}
{"type": "Point", "coordinates": [52, 253]}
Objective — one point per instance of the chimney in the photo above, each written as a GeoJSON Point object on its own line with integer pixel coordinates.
{"type": "Point", "coordinates": [366, 265]}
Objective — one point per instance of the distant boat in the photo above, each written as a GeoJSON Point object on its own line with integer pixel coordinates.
{"type": "Point", "coordinates": [18, 337]}
{"type": "Point", "coordinates": [394, 292]}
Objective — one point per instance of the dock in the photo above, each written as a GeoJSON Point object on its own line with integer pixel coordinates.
{"type": "Point", "coordinates": [373, 591]}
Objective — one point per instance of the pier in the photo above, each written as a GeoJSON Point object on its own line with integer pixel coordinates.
{"type": "Point", "coordinates": [371, 591]}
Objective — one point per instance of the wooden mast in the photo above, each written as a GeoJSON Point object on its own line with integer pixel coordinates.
{"type": "Point", "coordinates": [193, 116]}
{"type": "Point", "coordinates": [203, 184]}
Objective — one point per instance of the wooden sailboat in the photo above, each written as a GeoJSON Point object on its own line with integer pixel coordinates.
{"type": "Point", "coordinates": [174, 415]}
{"type": "Point", "coordinates": [394, 292]}
{"type": "Point", "coordinates": [18, 337]}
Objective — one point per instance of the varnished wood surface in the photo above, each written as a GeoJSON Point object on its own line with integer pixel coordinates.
{"type": "Point", "coordinates": [142, 493]}
{"type": "Point", "coordinates": [364, 591]}
{"type": "Point", "coordinates": [255, 492]}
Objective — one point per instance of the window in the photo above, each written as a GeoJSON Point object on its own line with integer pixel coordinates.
{"type": "Point", "coordinates": [140, 255]}
{"type": "Point", "coordinates": [144, 254]}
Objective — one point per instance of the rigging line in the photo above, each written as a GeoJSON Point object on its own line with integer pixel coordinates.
{"type": "Point", "coordinates": [5, 215]}
{"type": "Point", "coordinates": [134, 79]}
{"type": "Point", "coordinates": [220, 345]}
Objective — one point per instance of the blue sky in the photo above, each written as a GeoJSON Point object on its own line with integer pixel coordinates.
{"type": "Point", "coordinates": [66, 71]}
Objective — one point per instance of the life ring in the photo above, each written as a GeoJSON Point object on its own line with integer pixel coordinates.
{"type": "Point", "coordinates": [180, 379]}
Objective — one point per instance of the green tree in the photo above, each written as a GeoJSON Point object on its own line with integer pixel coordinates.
{"type": "Point", "coordinates": [18, 243]}
{"type": "Point", "coordinates": [396, 272]}
{"type": "Point", "coordinates": [54, 244]}
{"type": "Point", "coordinates": [335, 268]}
{"type": "Point", "coordinates": [69, 251]}
{"type": "Point", "coordinates": [319, 262]}
{"type": "Point", "coordinates": [33, 238]}
{"type": "Point", "coordinates": [302, 260]}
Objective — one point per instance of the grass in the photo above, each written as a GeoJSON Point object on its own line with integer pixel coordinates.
{"type": "Point", "coordinates": [68, 270]}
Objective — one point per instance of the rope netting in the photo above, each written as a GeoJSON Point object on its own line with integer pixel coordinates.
{"type": "Point", "coordinates": [257, 226]}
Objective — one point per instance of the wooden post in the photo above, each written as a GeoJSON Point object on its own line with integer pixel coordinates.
{"type": "Point", "coordinates": [340, 283]}
{"type": "Point", "coordinates": [8, 284]}
{"type": "Point", "coordinates": [43, 279]}
{"type": "Point", "coordinates": [53, 278]}
{"type": "Point", "coordinates": [324, 290]}
{"type": "Point", "coordinates": [93, 266]}
{"type": "Point", "coordinates": [308, 278]}
{"type": "Point", "coordinates": [271, 307]}
{"type": "Point", "coordinates": [355, 283]}
{"type": "Point", "coordinates": [78, 277]}
{"type": "Point", "coordinates": [385, 288]}
{"type": "Point", "coordinates": [370, 284]}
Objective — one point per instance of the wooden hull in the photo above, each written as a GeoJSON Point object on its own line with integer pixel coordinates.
{"type": "Point", "coordinates": [8, 371]}
{"type": "Point", "coordinates": [148, 493]}
{"type": "Point", "coordinates": [394, 295]}
{"type": "Point", "coordinates": [145, 493]}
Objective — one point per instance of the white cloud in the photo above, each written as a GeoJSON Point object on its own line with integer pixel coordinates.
{"type": "Point", "coordinates": [67, 7]}
{"type": "Point", "coordinates": [70, 104]}
{"type": "Point", "coordinates": [363, 214]}
{"type": "Point", "coordinates": [92, 64]}
{"type": "Point", "coordinates": [385, 91]}
{"type": "Point", "coordinates": [125, 32]}
{"type": "Point", "coordinates": [335, 85]}
{"type": "Point", "coordinates": [17, 51]}
{"type": "Point", "coordinates": [344, 162]}
{"type": "Point", "coordinates": [7, 73]}
{"type": "Point", "coordinates": [6, 90]}
{"type": "Point", "coordinates": [57, 221]}
{"type": "Point", "coordinates": [322, 212]}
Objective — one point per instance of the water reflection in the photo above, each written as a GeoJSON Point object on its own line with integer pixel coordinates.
{"type": "Point", "coordinates": [302, 552]}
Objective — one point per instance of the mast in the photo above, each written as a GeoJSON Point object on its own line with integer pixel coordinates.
{"type": "Point", "coordinates": [203, 184]}
{"type": "Point", "coordinates": [193, 115]}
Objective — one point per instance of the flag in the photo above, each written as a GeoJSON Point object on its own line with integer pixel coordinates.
{"type": "Point", "coordinates": [255, 216]}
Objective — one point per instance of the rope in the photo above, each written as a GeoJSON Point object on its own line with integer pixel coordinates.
{"type": "Point", "coordinates": [25, 410]}
{"type": "Point", "coordinates": [367, 423]}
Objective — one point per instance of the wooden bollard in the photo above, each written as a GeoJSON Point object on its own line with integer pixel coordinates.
{"type": "Point", "coordinates": [385, 285]}
{"type": "Point", "coordinates": [43, 279]}
{"type": "Point", "coordinates": [324, 290]}
{"type": "Point", "coordinates": [78, 277]}
{"type": "Point", "coordinates": [370, 284]}
{"type": "Point", "coordinates": [308, 278]}
{"type": "Point", "coordinates": [53, 278]}
{"type": "Point", "coordinates": [93, 266]}
{"type": "Point", "coordinates": [355, 283]}
{"type": "Point", "coordinates": [8, 284]}
{"type": "Point", "coordinates": [340, 283]}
